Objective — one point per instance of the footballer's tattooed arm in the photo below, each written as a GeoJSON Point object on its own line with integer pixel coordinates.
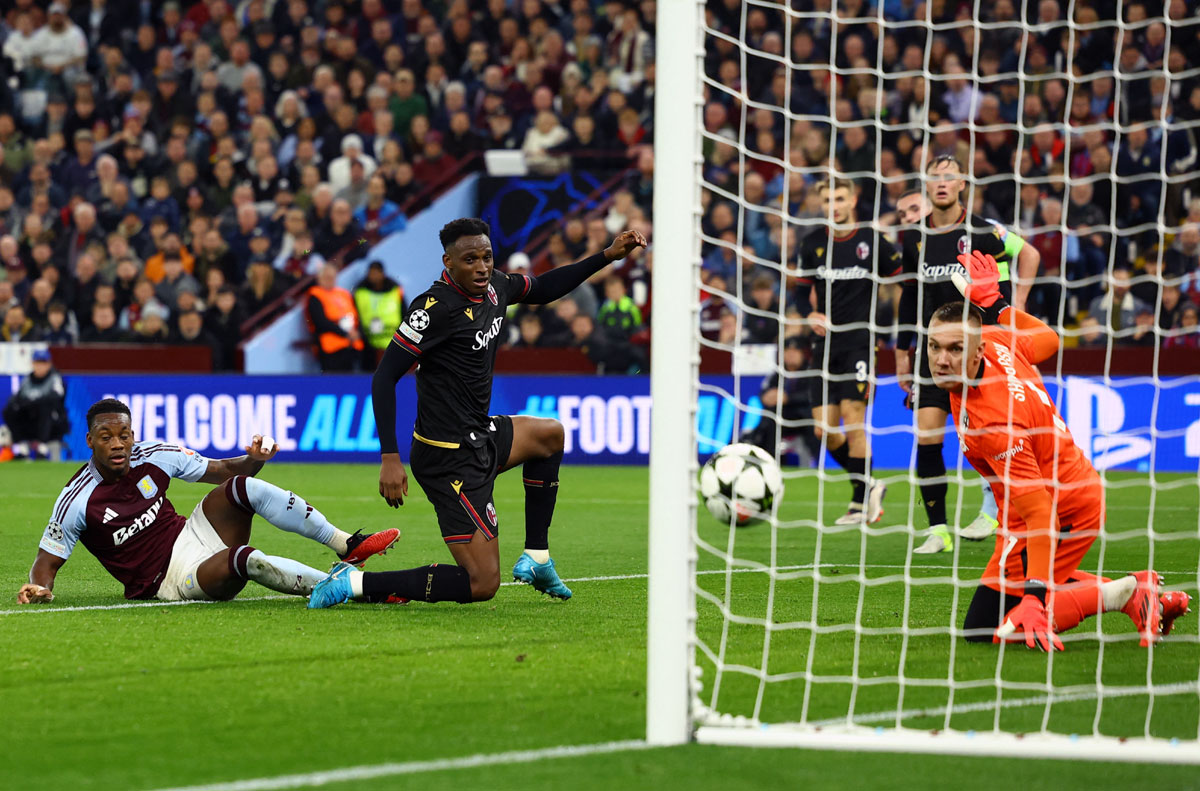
{"type": "Point", "coordinates": [40, 588]}
{"type": "Point", "coordinates": [221, 470]}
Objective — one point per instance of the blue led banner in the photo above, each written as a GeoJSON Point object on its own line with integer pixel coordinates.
{"type": "Point", "coordinates": [1120, 423]}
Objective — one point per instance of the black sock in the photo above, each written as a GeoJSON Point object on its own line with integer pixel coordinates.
{"type": "Point", "coordinates": [841, 455]}
{"type": "Point", "coordinates": [434, 582]}
{"type": "Point", "coordinates": [541, 492]}
{"type": "Point", "coordinates": [931, 465]}
{"type": "Point", "coordinates": [857, 467]}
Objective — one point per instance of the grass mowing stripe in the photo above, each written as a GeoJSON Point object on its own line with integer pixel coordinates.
{"type": "Point", "coordinates": [607, 578]}
{"type": "Point", "coordinates": [1012, 703]}
{"type": "Point", "coordinates": [415, 767]}
{"type": "Point", "coordinates": [26, 609]}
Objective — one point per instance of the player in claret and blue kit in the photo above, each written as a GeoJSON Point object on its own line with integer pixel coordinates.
{"type": "Point", "coordinates": [458, 449]}
{"type": "Point", "coordinates": [116, 505]}
{"type": "Point", "coordinates": [1050, 497]}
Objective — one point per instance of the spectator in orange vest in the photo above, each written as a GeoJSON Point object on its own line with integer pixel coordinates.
{"type": "Point", "coordinates": [171, 246]}
{"type": "Point", "coordinates": [334, 322]}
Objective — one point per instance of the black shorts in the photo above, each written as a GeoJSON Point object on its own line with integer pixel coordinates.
{"type": "Point", "coordinates": [848, 377]}
{"type": "Point", "coordinates": [925, 392]}
{"type": "Point", "coordinates": [458, 481]}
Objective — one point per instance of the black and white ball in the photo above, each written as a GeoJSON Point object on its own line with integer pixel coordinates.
{"type": "Point", "coordinates": [741, 484]}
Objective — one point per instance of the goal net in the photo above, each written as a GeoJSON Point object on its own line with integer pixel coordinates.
{"type": "Point", "coordinates": [1074, 124]}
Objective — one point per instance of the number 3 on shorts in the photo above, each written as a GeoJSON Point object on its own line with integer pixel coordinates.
{"type": "Point", "coordinates": [860, 371]}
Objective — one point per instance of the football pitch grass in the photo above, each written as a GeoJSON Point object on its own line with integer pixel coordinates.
{"type": "Point", "coordinates": [151, 696]}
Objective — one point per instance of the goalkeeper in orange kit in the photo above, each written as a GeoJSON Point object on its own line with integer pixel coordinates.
{"type": "Point", "coordinates": [1051, 498]}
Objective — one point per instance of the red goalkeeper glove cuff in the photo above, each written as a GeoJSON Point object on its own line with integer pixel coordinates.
{"type": "Point", "coordinates": [981, 284]}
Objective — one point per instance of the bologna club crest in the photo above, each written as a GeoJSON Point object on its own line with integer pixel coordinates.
{"type": "Point", "coordinates": [962, 243]}
{"type": "Point", "coordinates": [491, 514]}
{"type": "Point", "coordinates": [862, 251]}
{"type": "Point", "coordinates": [492, 295]}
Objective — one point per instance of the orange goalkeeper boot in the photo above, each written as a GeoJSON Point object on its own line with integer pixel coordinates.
{"type": "Point", "coordinates": [1174, 605]}
{"type": "Point", "coordinates": [1144, 607]}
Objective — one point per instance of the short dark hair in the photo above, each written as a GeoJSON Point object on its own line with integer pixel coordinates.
{"type": "Point", "coordinates": [463, 226]}
{"type": "Point", "coordinates": [908, 193]}
{"type": "Point", "coordinates": [958, 311]}
{"type": "Point", "coordinates": [106, 406]}
{"type": "Point", "coordinates": [945, 159]}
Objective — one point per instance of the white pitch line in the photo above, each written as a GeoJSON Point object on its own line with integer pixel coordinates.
{"type": "Point", "coordinates": [34, 610]}
{"type": "Point", "coordinates": [370, 772]}
{"type": "Point", "coordinates": [1012, 703]}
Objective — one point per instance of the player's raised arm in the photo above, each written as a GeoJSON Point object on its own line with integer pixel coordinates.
{"type": "Point", "coordinates": [1028, 261]}
{"type": "Point", "coordinates": [1036, 340]}
{"type": "Point", "coordinates": [260, 450]}
{"type": "Point", "coordinates": [557, 283]}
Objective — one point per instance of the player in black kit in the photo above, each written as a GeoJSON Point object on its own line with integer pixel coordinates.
{"type": "Point", "coordinates": [841, 266]}
{"type": "Point", "coordinates": [458, 449]}
{"type": "Point", "coordinates": [930, 256]}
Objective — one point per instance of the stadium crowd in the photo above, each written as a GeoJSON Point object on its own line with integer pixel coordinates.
{"type": "Point", "coordinates": [1124, 235]}
{"type": "Point", "coordinates": [169, 170]}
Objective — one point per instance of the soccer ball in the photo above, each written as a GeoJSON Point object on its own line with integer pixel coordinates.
{"type": "Point", "coordinates": [740, 484]}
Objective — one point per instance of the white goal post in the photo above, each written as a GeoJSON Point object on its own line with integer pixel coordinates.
{"type": "Point", "coordinates": [681, 703]}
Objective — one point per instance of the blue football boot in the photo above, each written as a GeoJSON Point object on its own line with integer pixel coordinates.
{"type": "Point", "coordinates": [332, 590]}
{"type": "Point", "coordinates": [541, 576]}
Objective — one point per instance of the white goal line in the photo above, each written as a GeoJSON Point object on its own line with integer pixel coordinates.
{"type": "Point", "coordinates": [876, 717]}
{"type": "Point", "coordinates": [372, 771]}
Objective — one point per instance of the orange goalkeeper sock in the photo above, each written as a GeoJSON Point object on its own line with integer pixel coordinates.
{"type": "Point", "coordinates": [1071, 605]}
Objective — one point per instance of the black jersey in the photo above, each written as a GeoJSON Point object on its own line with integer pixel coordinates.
{"type": "Point", "coordinates": [844, 272]}
{"type": "Point", "coordinates": [454, 336]}
{"type": "Point", "coordinates": [932, 257]}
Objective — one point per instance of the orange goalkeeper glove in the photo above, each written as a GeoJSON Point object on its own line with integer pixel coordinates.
{"type": "Point", "coordinates": [981, 284]}
{"type": "Point", "coordinates": [1031, 617]}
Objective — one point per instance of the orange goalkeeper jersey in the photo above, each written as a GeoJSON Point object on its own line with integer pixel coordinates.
{"type": "Point", "coordinates": [1013, 435]}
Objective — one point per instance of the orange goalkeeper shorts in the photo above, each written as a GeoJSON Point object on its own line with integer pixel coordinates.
{"type": "Point", "coordinates": [1080, 522]}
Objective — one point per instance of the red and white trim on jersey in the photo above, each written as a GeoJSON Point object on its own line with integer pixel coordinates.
{"type": "Point", "coordinates": [528, 286]}
{"type": "Point", "coordinates": [450, 282]}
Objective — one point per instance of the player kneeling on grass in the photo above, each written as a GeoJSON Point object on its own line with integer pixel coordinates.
{"type": "Point", "coordinates": [458, 449]}
{"type": "Point", "coordinates": [1051, 498]}
{"type": "Point", "coordinates": [117, 506]}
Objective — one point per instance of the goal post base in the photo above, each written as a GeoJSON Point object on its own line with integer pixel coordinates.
{"type": "Point", "coordinates": [998, 744]}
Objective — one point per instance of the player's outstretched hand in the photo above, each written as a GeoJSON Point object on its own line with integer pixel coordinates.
{"type": "Point", "coordinates": [982, 283]}
{"type": "Point", "coordinates": [393, 480]}
{"type": "Point", "coordinates": [261, 448]}
{"type": "Point", "coordinates": [34, 594]}
{"type": "Point", "coordinates": [625, 243]}
{"type": "Point", "coordinates": [819, 323]}
{"type": "Point", "coordinates": [1030, 618]}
